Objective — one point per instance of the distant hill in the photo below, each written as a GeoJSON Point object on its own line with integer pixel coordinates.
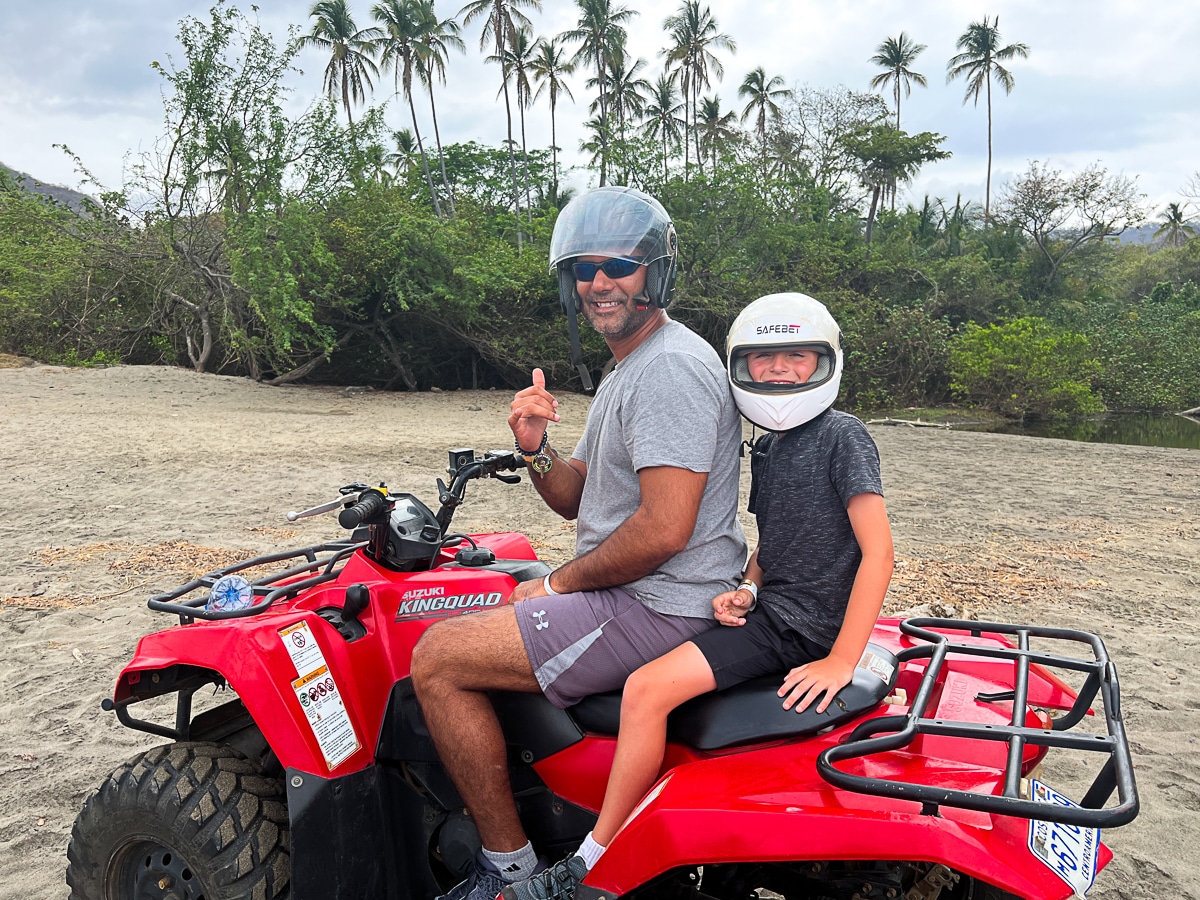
{"type": "Point", "coordinates": [64, 195]}
{"type": "Point", "coordinates": [1142, 235]}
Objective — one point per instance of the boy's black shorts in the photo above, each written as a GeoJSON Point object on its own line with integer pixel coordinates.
{"type": "Point", "coordinates": [765, 645]}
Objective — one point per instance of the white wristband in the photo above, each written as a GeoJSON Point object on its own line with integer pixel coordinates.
{"type": "Point", "coordinates": [546, 586]}
{"type": "Point", "coordinates": [749, 586]}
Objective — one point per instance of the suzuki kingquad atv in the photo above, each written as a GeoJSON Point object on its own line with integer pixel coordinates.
{"type": "Point", "coordinates": [318, 780]}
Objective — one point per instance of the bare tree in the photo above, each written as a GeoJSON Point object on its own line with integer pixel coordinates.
{"type": "Point", "coordinates": [1061, 214]}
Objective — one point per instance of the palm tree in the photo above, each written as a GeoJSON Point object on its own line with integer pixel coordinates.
{"type": "Point", "coordinates": [694, 34]}
{"type": "Point", "coordinates": [600, 33]}
{"type": "Point", "coordinates": [713, 127]}
{"type": "Point", "coordinates": [1174, 229]}
{"type": "Point", "coordinates": [351, 51]}
{"type": "Point", "coordinates": [400, 32]}
{"type": "Point", "coordinates": [401, 159]}
{"type": "Point", "coordinates": [437, 37]}
{"type": "Point", "coordinates": [549, 66]}
{"type": "Point", "coordinates": [662, 116]}
{"type": "Point", "coordinates": [501, 19]}
{"type": "Point", "coordinates": [627, 90]}
{"type": "Point", "coordinates": [517, 59]}
{"type": "Point", "coordinates": [895, 55]}
{"type": "Point", "coordinates": [980, 62]}
{"type": "Point", "coordinates": [763, 95]}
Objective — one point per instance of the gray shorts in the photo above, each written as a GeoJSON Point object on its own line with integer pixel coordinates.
{"type": "Point", "coordinates": [590, 642]}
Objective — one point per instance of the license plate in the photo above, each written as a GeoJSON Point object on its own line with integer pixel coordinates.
{"type": "Point", "coordinates": [1068, 850]}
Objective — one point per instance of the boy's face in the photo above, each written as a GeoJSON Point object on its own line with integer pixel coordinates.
{"type": "Point", "coordinates": [789, 366]}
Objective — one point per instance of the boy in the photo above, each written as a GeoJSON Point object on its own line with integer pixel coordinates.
{"type": "Point", "coordinates": [822, 565]}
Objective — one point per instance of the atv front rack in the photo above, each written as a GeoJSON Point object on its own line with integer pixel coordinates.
{"type": "Point", "coordinates": [895, 732]}
{"type": "Point", "coordinates": [323, 559]}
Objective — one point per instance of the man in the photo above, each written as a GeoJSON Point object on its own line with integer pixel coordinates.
{"type": "Point", "coordinates": [653, 483]}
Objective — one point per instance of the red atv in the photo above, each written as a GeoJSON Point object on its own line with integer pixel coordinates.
{"type": "Point", "coordinates": [317, 778]}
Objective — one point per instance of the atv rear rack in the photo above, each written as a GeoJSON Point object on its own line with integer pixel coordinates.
{"type": "Point", "coordinates": [265, 590]}
{"type": "Point", "coordinates": [896, 732]}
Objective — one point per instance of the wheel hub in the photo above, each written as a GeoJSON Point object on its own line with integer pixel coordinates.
{"type": "Point", "coordinates": [150, 870]}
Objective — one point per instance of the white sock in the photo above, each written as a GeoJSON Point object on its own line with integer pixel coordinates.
{"type": "Point", "coordinates": [590, 851]}
{"type": "Point", "coordinates": [516, 865]}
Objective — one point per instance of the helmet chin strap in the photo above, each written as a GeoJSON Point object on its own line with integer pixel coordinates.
{"type": "Point", "coordinates": [576, 350]}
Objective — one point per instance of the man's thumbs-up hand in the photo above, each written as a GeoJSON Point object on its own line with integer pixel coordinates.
{"type": "Point", "coordinates": [531, 410]}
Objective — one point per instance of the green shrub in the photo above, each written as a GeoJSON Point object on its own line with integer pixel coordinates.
{"type": "Point", "coordinates": [895, 356]}
{"type": "Point", "coordinates": [1025, 367]}
{"type": "Point", "coordinates": [1150, 351]}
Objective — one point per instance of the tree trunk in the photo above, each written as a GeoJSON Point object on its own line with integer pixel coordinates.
{"type": "Point", "coordinates": [198, 356]}
{"type": "Point", "coordinates": [987, 195]}
{"type": "Point", "coordinates": [871, 217]}
{"type": "Point", "coordinates": [525, 165]}
{"type": "Point", "coordinates": [512, 166]}
{"type": "Point", "coordinates": [437, 207]}
{"type": "Point", "coordinates": [603, 120]}
{"type": "Point", "coordinates": [441, 157]}
{"type": "Point", "coordinates": [553, 150]}
{"type": "Point", "coordinates": [301, 371]}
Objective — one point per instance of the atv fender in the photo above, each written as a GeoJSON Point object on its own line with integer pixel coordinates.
{"type": "Point", "coordinates": [770, 806]}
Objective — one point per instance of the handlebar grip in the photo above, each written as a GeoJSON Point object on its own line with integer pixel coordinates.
{"type": "Point", "coordinates": [370, 503]}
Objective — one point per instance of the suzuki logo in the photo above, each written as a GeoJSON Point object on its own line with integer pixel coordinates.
{"type": "Point", "coordinates": [538, 615]}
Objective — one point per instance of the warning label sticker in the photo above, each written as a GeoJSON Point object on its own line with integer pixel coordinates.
{"type": "Point", "coordinates": [302, 648]}
{"type": "Point", "coordinates": [876, 665]}
{"type": "Point", "coordinates": [319, 696]}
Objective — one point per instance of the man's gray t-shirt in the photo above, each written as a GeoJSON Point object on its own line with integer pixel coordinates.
{"type": "Point", "coordinates": [667, 404]}
{"type": "Point", "coordinates": [806, 548]}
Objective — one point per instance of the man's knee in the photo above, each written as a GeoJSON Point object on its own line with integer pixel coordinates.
{"type": "Point", "coordinates": [481, 651]}
{"type": "Point", "coordinates": [430, 655]}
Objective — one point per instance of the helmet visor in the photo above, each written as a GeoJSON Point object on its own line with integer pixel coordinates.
{"type": "Point", "coordinates": [781, 368]}
{"type": "Point", "coordinates": [619, 223]}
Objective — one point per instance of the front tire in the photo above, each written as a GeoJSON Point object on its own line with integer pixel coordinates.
{"type": "Point", "coordinates": [182, 822]}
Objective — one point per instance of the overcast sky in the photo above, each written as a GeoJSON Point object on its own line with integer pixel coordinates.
{"type": "Point", "coordinates": [1108, 80]}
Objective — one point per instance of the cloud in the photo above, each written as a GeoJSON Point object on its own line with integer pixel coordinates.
{"type": "Point", "coordinates": [1105, 79]}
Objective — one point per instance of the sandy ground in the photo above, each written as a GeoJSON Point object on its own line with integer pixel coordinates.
{"type": "Point", "coordinates": [115, 483]}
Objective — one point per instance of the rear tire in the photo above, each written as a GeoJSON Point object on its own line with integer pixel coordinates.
{"type": "Point", "coordinates": [181, 822]}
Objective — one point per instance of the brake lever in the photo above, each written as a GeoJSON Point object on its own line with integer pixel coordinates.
{"type": "Point", "coordinates": [316, 510]}
{"type": "Point", "coordinates": [508, 479]}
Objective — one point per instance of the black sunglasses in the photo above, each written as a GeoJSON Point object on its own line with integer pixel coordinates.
{"type": "Point", "coordinates": [613, 268]}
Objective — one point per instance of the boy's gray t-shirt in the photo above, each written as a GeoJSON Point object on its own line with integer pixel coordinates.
{"type": "Point", "coordinates": [667, 404]}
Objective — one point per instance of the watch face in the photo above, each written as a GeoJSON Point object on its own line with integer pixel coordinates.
{"type": "Point", "coordinates": [541, 462]}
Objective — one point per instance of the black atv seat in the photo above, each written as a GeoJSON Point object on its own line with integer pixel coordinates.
{"type": "Point", "coordinates": [752, 712]}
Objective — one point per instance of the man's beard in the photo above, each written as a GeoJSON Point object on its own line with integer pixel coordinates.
{"type": "Point", "coordinates": [619, 322]}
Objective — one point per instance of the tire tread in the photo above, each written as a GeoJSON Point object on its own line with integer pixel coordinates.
{"type": "Point", "coordinates": [228, 820]}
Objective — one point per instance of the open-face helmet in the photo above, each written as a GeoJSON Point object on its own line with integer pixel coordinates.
{"type": "Point", "coordinates": [784, 322]}
{"type": "Point", "coordinates": [621, 223]}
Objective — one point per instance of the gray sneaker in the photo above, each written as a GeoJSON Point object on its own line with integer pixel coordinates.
{"type": "Point", "coordinates": [556, 883]}
{"type": "Point", "coordinates": [484, 882]}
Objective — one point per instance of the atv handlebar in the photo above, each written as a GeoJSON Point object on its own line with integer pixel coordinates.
{"type": "Point", "coordinates": [465, 465]}
{"type": "Point", "coordinates": [318, 564]}
{"type": "Point", "coordinates": [371, 503]}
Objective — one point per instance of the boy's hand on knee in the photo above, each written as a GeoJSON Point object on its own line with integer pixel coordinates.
{"type": "Point", "coordinates": [730, 608]}
{"type": "Point", "coordinates": [807, 682]}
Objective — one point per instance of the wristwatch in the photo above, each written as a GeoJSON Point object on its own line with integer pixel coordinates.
{"type": "Point", "coordinates": [540, 459]}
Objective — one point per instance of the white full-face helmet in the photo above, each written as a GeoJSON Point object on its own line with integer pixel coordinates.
{"type": "Point", "coordinates": [784, 322]}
